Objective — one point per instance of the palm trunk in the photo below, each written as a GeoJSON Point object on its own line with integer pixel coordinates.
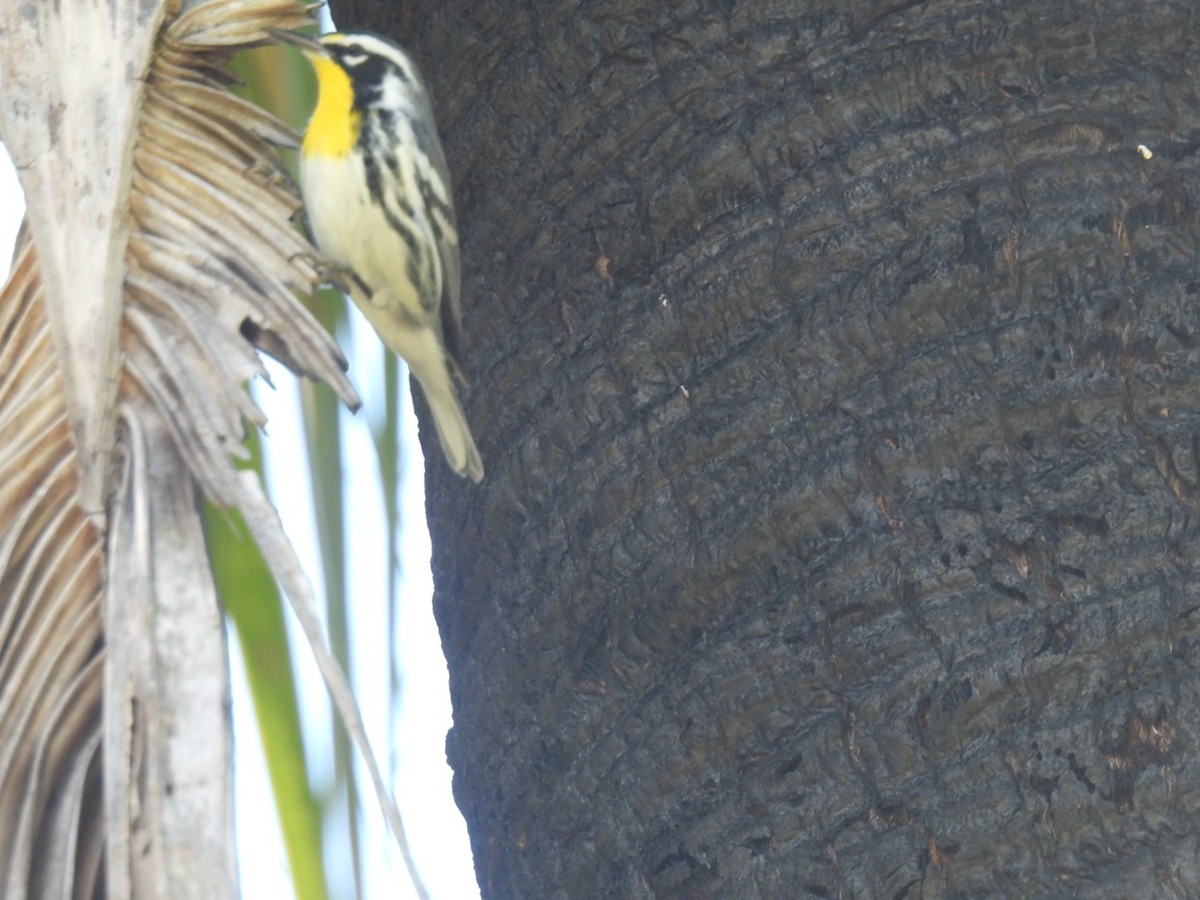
{"type": "Point", "coordinates": [836, 369]}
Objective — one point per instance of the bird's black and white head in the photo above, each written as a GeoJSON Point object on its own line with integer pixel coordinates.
{"type": "Point", "coordinates": [381, 73]}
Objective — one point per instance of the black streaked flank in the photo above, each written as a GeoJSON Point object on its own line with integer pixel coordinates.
{"type": "Point", "coordinates": [375, 190]}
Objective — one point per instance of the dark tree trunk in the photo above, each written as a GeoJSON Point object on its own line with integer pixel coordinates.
{"type": "Point", "coordinates": [836, 370]}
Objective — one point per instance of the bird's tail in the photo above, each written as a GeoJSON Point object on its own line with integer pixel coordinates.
{"type": "Point", "coordinates": [454, 433]}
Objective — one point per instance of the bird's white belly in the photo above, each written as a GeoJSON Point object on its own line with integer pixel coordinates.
{"type": "Point", "coordinates": [351, 229]}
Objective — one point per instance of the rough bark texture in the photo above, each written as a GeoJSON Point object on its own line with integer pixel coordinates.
{"type": "Point", "coordinates": [836, 370]}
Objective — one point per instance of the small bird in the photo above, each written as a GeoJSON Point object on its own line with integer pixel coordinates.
{"type": "Point", "coordinates": [378, 198]}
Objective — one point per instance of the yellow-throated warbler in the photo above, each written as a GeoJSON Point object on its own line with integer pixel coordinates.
{"type": "Point", "coordinates": [378, 200]}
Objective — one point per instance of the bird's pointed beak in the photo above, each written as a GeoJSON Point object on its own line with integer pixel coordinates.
{"type": "Point", "coordinates": [302, 42]}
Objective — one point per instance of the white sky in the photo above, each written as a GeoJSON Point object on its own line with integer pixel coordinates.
{"type": "Point", "coordinates": [416, 754]}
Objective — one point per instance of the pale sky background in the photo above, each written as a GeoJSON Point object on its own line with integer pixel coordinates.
{"type": "Point", "coordinates": [415, 755]}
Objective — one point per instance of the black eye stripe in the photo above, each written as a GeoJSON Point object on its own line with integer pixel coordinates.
{"type": "Point", "coordinates": [366, 56]}
{"type": "Point", "coordinates": [374, 70]}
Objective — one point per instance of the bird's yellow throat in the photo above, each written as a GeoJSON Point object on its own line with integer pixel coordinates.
{"type": "Point", "coordinates": [333, 128]}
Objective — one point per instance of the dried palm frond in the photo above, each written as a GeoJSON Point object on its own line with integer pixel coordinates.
{"type": "Point", "coordinates": [51, 658]}
{"type": "Point", "coordinates": [160, 215]}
